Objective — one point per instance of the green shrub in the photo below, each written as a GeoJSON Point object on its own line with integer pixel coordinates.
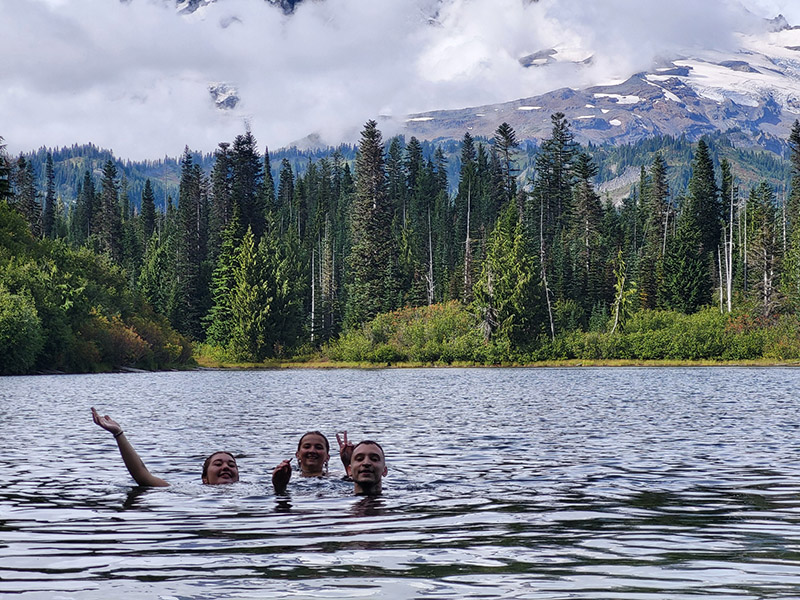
{"type": "Point", "coordinates": [21, 336]}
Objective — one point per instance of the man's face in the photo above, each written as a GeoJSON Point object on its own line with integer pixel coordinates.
{"type": "Point", "coordinates": [367, 465]}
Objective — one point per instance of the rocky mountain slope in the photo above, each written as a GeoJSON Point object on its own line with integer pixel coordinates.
{"type": "Point", "coordinates": [754, 94]}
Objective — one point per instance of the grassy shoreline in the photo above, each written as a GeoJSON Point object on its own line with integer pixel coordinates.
{"type": "Point", "coordinates": [206, 362]}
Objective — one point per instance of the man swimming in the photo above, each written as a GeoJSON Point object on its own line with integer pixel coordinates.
{"type": "Point", "coordinates": [367, 466]}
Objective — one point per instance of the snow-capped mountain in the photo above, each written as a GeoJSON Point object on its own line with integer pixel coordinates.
{"type": "Point", "coordinates": [753, 93]}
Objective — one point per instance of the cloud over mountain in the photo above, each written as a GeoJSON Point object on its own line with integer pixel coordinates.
{"type": "Point", "coordinates": [135, 76]}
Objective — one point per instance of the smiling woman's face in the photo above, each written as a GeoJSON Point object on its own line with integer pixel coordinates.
{"type": "Point", "coordinates": [222, 468]}
{"type": "Point", "coordinates": [312, 454]}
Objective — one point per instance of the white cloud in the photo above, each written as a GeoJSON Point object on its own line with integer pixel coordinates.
{"type": "Point", "coordinates": [134, 76]}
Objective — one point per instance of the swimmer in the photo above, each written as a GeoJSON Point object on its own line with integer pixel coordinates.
{"type": "Point", "coordinates": [367, 466]}
{"type": "Point", "coordinates": [218, 468]}
{"type": "Point", "coordinates": [313, 453]}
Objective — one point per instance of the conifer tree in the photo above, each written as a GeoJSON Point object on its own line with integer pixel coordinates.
{"type": "Point", "coordinates": [505, 143]}
{"type": "Point", "coordinates": [148, 216]}
{"type": "Point", "coordinates": [268, 187]}
{"type": "Point", "coordinates": [49, 210]}
{"type": "Point", "coordinates": [585, 237]}
{"type": "Point", "coordinates": [221, 202]}
{"type": "Point", "coordinates": [650, 265]}
{"type": "Point", "coordinates": [374, 272]}
{"type": "Point", "coordinates": [508, 295]}
{"type": "Point", "coordinates": [85, 209]}
{"type": "Point", "coordinates": [219, 320]}
{"type": "Point", "coordinates": [109, 227]}
{"type": "Point", "coordinates": [249, 303]}
{"type": "Point", "coordinates": [26, 197]}
{"type": "Point", "coordinates": [705, 200]}
{"type": "Point", "coordinates": [5, 173]}
{"type": "Point", "coordinates": [687, 280]}
{"type": "Point", "coordinates": [247, 177]}
{"type": "Point", "coordinates": [791, 268]}
{"type": "Point", "coordinates": [285, 200]}
{"type": "Point", "coordinates": [764, 247]}
{"type": "Point", "coordinates": [192, 295]}
{"type": "Point", "coordinates": [553, 186]}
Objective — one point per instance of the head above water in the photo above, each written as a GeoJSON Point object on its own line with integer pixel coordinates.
{"type": "Point", "coordinates": [219, 468]}
{"type": "Point", "coordinates": [324, 439]}
{"type": "Point", "coordinates": [367, 467]}
{"type": "Point", "coordinates": [313, 452]}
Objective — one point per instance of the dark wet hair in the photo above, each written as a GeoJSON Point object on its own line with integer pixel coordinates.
{"type": "Point", "coordinates": [371, 442]}
{"type": "Point", "coordinates": [327, 445]}
{"type": "Point", "coordinates": [207, 462]}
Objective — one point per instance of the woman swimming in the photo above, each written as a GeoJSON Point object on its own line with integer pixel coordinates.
{"type": "Point", "coordinates": [313, 453]}
{"type": "Point", "coordinates": [218, 468]}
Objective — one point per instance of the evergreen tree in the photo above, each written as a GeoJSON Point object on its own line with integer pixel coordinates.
{"type": "Point", "coordinates": [553, 186]}
{"type": "Point", "coordinates": [764, 247]}
{"type": "Point", "coordinates": [219, 320]}
{"type": "Point", "coordinates": [655, 233]}
{"type": "Point", "coordinates": [285, 200]}
{"type": "Point", "coordinates": [192, 295]}
{"type": "Point", "coordinates": [148, 215]}
{"type": "Point", "coordinates": [374, 286]}
{"type": "Point", "coordinates": [26, 197]}
{"type": "Point", "coordinates": [222, 204]}
{"type": "Point", "coordinates": [249, 303]}
{"type": "Point", "coordinates": [505, 143]}
{"type": "Point", "coordinates": [5, 173]}
{"type": "Point", "coordinates": [247, 177]}
{"type": "Point", "coordinates": [109, 228]}
{"type": "Point", "coordinates": [49, 210]}
{"type": "Point", "coordinates": [465, 201]}
{"type": "Point", "coordinates": [84, 209]}
{"type": "Point", "coordinates": [687, 281]}
{"type": "Point", "coordinates": [508, 296]}
{"type": "Point", "coordinates": [268, 187]}
{"type": "Point", "coordinates": [705, 200]}
{"type": "Point", "coordinates": [791, 273]}
{"type": "Point", "coordinates": [585, 237]}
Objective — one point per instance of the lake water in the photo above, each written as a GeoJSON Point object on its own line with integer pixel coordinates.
{"type": "Point", "coordinates": [503, 483]}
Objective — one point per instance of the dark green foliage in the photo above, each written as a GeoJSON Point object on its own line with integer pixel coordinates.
{"type": "Point", "coordinates": [508, 296]}
{"type": "Point", "coordinates": [523, 231]}
{"type": "Point", "coordinates": [72, 310]}
{"type": "Point", "coordinates": [765, 250]}
{"type": "Point", "coordinates": [374, 269]}
{"type": "Point", "coordinates": [148, 213]}
{"type": "Point", "coordinates": [687, 281]}
{"type": "Point", "coordinates": [108, 217]}
{"type": "Point", "coordinates": [49, 210]}
{"type": "Point", "coordinates": [247, 178]}
{"type": "Point", "coordinates": [26, 196]}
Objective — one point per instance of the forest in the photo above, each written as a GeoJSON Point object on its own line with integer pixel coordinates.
{"type": "Point", "coordinates": [400, 251]}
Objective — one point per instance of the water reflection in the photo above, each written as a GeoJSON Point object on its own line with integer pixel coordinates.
{"type": "Point", "coordinates": [592, 483]}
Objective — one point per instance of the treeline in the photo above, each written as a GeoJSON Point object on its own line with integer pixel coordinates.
{"type": "Point", "coordinates": [71, 309]}
{"type": "Point", "coordinates": [258, 267]}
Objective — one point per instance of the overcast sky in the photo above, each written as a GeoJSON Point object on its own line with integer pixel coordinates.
{"type": "Point", "coordinates": [134, 77]}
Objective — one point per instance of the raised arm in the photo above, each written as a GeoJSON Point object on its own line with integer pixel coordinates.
{"type": "Point", "coordinates": [345, 450]}
{"type": "Point", "coordinates": [135, 465]}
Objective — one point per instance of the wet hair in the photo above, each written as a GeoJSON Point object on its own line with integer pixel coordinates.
{"type": "Point", "coordinates": [207, 462]}
{"type": "Point", "coordinates": [327, 445]}
{"type": "Point", "coordinates": [371, 442]}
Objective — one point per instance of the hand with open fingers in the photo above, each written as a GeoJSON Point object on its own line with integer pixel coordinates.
{"type": "Point", "coordinates": [106, 422]}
